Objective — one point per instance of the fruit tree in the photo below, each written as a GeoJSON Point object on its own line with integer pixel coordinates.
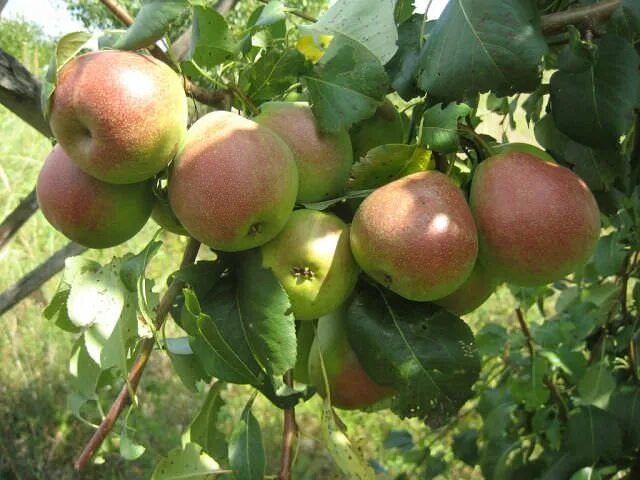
{"type": "Point", "coordinates": [345, 206]}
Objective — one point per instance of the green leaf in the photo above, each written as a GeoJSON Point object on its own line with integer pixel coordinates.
{"type": "Point", "coordinates": [151, 23]}
{"type": "Point", "coordinates": [371, 24]}
{"type": "Point", "coordinates": [211, 42]}
{"type": "Point", "coordinates": [188, 462]}
{"type": "Point", "coordinates": [481, 45]}
{"type": "Point", "coordinates": [576, 56]}
{"type": "Point", "coordinates": [625, 406]}
{"type": "Point", "coordinates": [103, 290]}
{"type": "Point", "coordinates": [595, 107]}
{"type": "Point", "coordinates": [530, 388]}
{"type": "Point", "coordinates": [186, 365]}
{"type": "Point", "coordinates": [596, 386]}
{"type": "Point", "coordinates": [386, 163]}
{"type": "Point", "coordinates": [465, 446]}
{"type": "Point", "coordinates": [602, 295]}
{"type": "Point", "coordinates": [625, 21]}
{"type": "Point", "coordinates": [273, 73]}
{"type": "Point", "coordinates": [400, 439]}
{"type": "Point", "coordinates": [403, 67]}
{"type": "Point", "coordinates": [593, 434]}
{"type": "Point", "coordinates": [492, 339]}
{"type": "Point", "coordinates": [265, 316]}
{"type": "Point", "coordinates": [133, 266]}
{"type": "Point", "coordinates": [84, 371]}
{"type": "Point", "coordinates": [349, 85]}
{"type": "Point", "coordinates": [440, 127]}
{"type": "Point", "coordinates": [56, 311]}
{"type": "Point", "coordinates": [324, 205]}
{"type": "Point", "coordinates": [204, 429]}
{"type": "Point", "coordinates": [426, 353]}
{"type": "Point", "coordinates": [610, 255]}
{"type": "Point", "coordinates": [586, 473]}
{"type": "Point", "coordinates": [246, 452]}
{"type": "Point", "coordinates": [342, 451]}
{"type": "Point", "coordinates": [129, 450]}
{"type": "Point", "coordinates": [273, 12]}
{"type": "Point", "coordinates": [67, 48]}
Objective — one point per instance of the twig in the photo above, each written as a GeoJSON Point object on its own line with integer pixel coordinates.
{"type": "Point", "coordinates": [525, 329]}
{"type": "Point", "coordinates": [289, 434]}
{"type": "Point", "coordinates": [12, 223]}
{"type": "Point", "coordinates": [297, 13]}
{"type": "Point", "coordinates": [548, 382]}
{"type": "Point", "coordinates": [208, 97]}
{"type": "Point", "coordinates": [582, 16]}
{"type": "Point", "coordinates": [146, 347]}
{"type": "Point", "coordinates": [37, 277]}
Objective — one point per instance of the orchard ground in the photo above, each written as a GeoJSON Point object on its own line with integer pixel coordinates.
{"type": "Point", "coordinates": [39, 436]}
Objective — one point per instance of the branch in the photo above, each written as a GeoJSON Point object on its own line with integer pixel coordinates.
{"type": "Point", "coordinates": [289, 433]}
{"type": "Point", "coordinates": [582, 16]}
{"type": "Point", "coordinates": [208, 97]}
{"type": "Point", "coordinates": [12, 223]}
{"type": "Point", "coordinates": [37, 277]}
{"type": "Point", "coordinates": [146, 347]}
{"type": "Point", "coordinates": [20, 93]}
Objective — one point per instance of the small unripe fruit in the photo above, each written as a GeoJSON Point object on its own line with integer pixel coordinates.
{"type": "Point", "coordinates": [90, 212]}
{"type": "Point", "coordinates": [537, 221]}
{"type": "Point", "coordinates": [121, 116]}
{"type": "Point", "coordinates": [385, 127]}
{"type": "Point", "coordinates": [312, 259]}
{"type": "Point", "coordinates": [416, 236]}
{"type": "Point", "coordinates": [234, 184]}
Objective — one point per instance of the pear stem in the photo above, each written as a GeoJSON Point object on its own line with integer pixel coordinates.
{"type": "Point", "coordinates": [133, 379]}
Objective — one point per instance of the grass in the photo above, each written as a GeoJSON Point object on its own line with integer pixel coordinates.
{"type": "Point", "coordinates": [39, 436]}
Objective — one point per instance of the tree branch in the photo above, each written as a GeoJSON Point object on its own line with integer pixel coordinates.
{"type": "Point", "coordinates": [582, 16]}
{"type": "Point", "coordinates": [38, 276]}
{"type": "Point", "coordinates": [146, 347]}
{"type": "Point", "coordinates": [289, 434]}
{"type": "Point", "coordinates": [297, 13]}
{"type": "Point", "coordinates": [12, 223]}
{"type": "Point", "coordinates": [203, 95]}
{"type": "Point", "coordinates": [20, 93]}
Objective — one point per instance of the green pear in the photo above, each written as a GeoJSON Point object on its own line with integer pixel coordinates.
{"type": "Point", "coordinates": [234, 184]}
{"type": "Point", "coordinates": [416, 236]}
{"type": "Point", "coordinates": [324, 159]}
{"type": "Point", "coordinates": [385, 127]}
{"type": "Point", "coordinates": [471, 294]}
{"type": "Point", "coordinates": [164, 216]}
{"type": "Point", "coordinates": [537, 221]}
{"type": "Point", "coordinates": [86, 210]}
{"type": "Point", "coordinates": [349, 384]}
{"type": "Point", "coordinates": [121, 116]}
{"type": "Point", "coordinates": [312, 260]}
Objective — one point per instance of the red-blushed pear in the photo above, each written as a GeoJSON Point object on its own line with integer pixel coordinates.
{"type": "Point", "coordinates": [537, 221]}
{"type": "Point", "coordinates": [90, 212]}
{"type": "Point", "coordinates": [324, 159]}
{"type": "Point", "coordinates": [312, 259]}
{"type": "Point", "coordinates": [349, 385]}
{"type": "Point", "coordinates": [471, 294]}
{"type": "Point", "coordinates": [121, 116]}
{"type": "Point", "coordinates": [416, 236]}
{"type": "Point", "coordinates": [385, 127]}
{"type": "Point", "coordinates": [233, 186]}
{"type": "Point", "coordinates": [523, 147]}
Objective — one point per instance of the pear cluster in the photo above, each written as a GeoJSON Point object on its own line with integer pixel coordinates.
{"type": "Point", "coordinates": [119, 119]}
{"type": "Point", "coordinates": [237, 184]}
